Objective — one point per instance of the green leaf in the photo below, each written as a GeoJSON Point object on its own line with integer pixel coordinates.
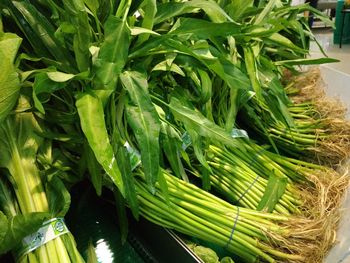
{"type": "Point", "coordinates": [163, 66]}
{"type": "Point", "coordinates": [60, 76]}
{"type": "Point", "coordinates": [224, 68]}
{"type": "Point", "coordinates": [171, 146]}
{"type": "Point", "coordinates": [9, 86]}
{"type": "Point", "coordinates": [237, 8]}
{"type": "Point", "coordinates": [197, 145]}
{"type": "Point", "coordinates": [206, 86]}
{"type": "Point", "coordinates": [113, 53]}
{"type": "Point", "coordinates": [122, 216]}
{"type": "Point", "coordinates": [193, 28]}
{"type": "Point", "coordinates": [58, 197]}
{"type": "Point", "coordinates": [90, 110]}
{"type": "Point", "coordinates": [281, 40]}
{"type": "Point", "coordinates": [173, 9]}
{"type": "Point", "coordinates": [93, 5]}
{"type": "Point", "coordinates": [82, 36]}
{"type": "Point", "coordinates": [3, 227]}
{"type": "Point", "coordinates": [18, 227]}
{"type": "Point", "coordinates": [139, 30]}
{"type": "Point", "coordinates": [94, 168]}
{"type": "Point", "coordinates": [128, 180]}
{"type": "Point", "coordinates": [9, 81]}
{"type": "Point", "coordinates": [200, 124]}
{"type": "Point", "coordinates": [249, 60]}
{"type": "Point", "coordinates": [8, 204]}
{"type": "Point", "coordinates": [266, 11]}
{"type": "Point", "coordinates": [144, 121]}
{"type": "Point", "coordinates": [9, 45]}
{"type": "Point", "coordinates": [41, 34]}
{"type": "Point", "coordinates": [43, 84]}
{"type": "Point", "coordinates": [273, 192]}
{"type": "Point", "coordinates": [150, 10]}
{"type": "Point", "coordinates": [306, 61]}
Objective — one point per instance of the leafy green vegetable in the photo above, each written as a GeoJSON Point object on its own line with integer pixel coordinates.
{"type": "Point", "coordinates": [113, 53]}
{"type": "Point", "coordinates": [144, 120]}
{"type": "Point", "coordinates": [92, 122]}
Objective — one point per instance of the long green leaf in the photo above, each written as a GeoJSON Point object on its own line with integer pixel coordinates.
{"type": "Point", "coordinates": [123, 158]}
{"type": "Point", "coordinates": [197, 145]}
{"type": "Point", "coordinates": [200, 124]}
{"type": "Point", "coordinates": [150, 9]}
{"type": "Point", "coordinates": [92, 121]}
{"type": "Point", "coordinates": [113, 53]}
{"type": "Point", "coordinates": [251, 68]}
{"type": "Point", "coordinates": [274, 190]}
{"type": "Point", "coordinates": [82, 37]}
{"type": "Point", "coordinates": [172, 9]}
{"type": "Point", "coordinates": [94, 168]}
{"type": "Point", "coordinates": [281, 40]}
{"type": "Point", "coordinates": [218, 64]}
{"type": "Point", "coordinates": [144, 120]}
{"type": "Point", "coordinates": [266, 11]}
{"type": "Point", "coordinates": [193, 28]}
{"type": "Point", "coordinates": [43, 32]}
{"type": "Point", "coordinates": [306, 61]}
{"type": "Point", "coordinates": [171, 147]}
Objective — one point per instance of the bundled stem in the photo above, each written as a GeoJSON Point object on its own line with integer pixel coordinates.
{"type": "Point", "coordinates": [249, 234]}
{"type": "Point", "coordinates": [19, 144]}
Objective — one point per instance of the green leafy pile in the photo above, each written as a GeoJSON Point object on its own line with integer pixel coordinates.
{"type": "Point", "coordinates": [159, 84]}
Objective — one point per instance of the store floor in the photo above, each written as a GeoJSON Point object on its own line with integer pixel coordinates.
{"type": "Point", "coordinates": [325, 38]}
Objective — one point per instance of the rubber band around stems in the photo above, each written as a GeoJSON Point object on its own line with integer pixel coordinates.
{"type": "Point", "coordinates": [233, 229]}
{"type": "Point", "coordinates": [254, 181]}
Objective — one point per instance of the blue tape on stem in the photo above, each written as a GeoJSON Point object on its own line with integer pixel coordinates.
{"type": "Point", "coordinates": [254, 181]}
{"type": "Point", "coordinates": [233, 228]}
{"type": "Point", "coordinates": [247, 190]}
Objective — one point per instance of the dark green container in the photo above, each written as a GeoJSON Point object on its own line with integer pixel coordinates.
{"type": "Point", "coordinates": [338, 21]}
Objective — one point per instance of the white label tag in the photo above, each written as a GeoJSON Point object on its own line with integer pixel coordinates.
{"type": "Point", "coordinates": [50, 230]}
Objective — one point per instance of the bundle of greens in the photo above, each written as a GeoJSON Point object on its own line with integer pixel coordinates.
{"type": "Point", "coordinates": [313, 137]}
{"type": "Point", "coordinates": [27, 197]}
{"type": "Point", "coordinates": [309, 102]}
{"type": "Point", "coordinates": [113, 78]}
{"type": "Point", "coordinates": [251, 235]}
